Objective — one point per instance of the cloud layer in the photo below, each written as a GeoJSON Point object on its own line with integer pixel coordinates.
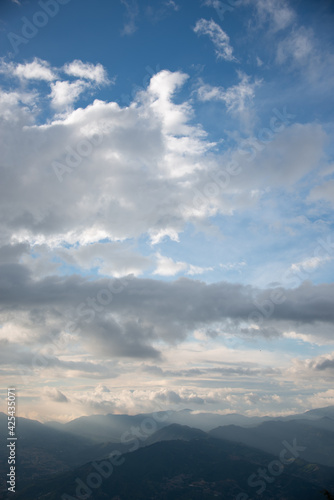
{"type": "Point", "coordinates": [172, 248]}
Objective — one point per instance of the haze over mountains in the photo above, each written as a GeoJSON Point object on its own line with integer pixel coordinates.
{"type": "Point", "coordinates": [202, 454]}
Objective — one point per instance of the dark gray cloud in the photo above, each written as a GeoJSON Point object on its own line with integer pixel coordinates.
{"type": "Point", "coordinates": [18, 356]}
{"type": "Point", "coordinates": [56, 395]}
{"type": "Point", "coordinates": [127, 319]}
{"type": "Point", "coordinates": [324, 365]}
{"type": "Point", "coordinates": [184, 301]}
{"type": "Point", "coordinates": [210, 372]}
{"type": "Point", "coordinates": [12, 253]}
{"type": "Point", "coordinates": [108, 337]}
{"type": "Point", "coordinates": [174, 398]}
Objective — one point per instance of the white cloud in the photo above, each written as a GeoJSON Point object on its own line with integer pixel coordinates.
{"type": "Point", "coordinates": [64, 94]}
{"type": "Point", "coordinates": [159, 235]}
{"type": "Point", "coordinates": [165, 83]}
{"type": "Point", "coordinates": [219, 38]}
{"type": "Point", "coordinates": [148, 175]}
{"type": "Point", "coordinates": [318, 366]}
{"type": "Point", "coordinates": [36, 70]}
{"type": "Point", "coordinates": [111, 259]}
{"type": "Point", "coordinates": [15, 109]}
{"type": "Point", "coordinates": [87, 71]}
{"type": "Point", "coordinates": [307, 337]}
{"type": "Point", "coordinates": [195, 270]}
{"type": "Point", "coordinates": [168, 267]}
{"type": "Point", "coordinates": [321, 399]}
{"type": "Point", "coordinates": [309, 264]}
{"type": "Point", "coordinates": [237, 98]}
{"type": "Point", "coordinates": [129, 183]}
{"type": "Point", "coordinates": [39, 69]}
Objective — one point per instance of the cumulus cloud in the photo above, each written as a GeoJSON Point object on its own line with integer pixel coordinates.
{"type": "Point", "coordinates": [87, 71]}
{"type": "Point", "coordinates": [166, 266]}
{"type": "Point", "coordinates": [219, 38]}
{"type": "Point", "coordinates": [110, 258]}
{"type": "Point", "coordinates": [174, 398]}
{"type": "Point", "coordinates": [118, 182]}
{"type": "Point", "coordinates": [321, 399]}
{"type": "Point", "coordinates": [64, 94]}
{"type": "Point", "coordinates": [109, 188]}
{"type": "Point", "coordinates": [36, 70]}
{"type": "Point", "coordinates": [318, 366]}
{"type": "Point", "coordinates": [220, 401]}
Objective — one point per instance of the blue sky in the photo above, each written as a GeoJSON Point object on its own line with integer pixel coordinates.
{"type": "Point", "coordinates": [185, 147]}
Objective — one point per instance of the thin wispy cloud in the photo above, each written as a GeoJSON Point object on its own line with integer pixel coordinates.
{"type": "Point", "coordinates": [217, 35]}
{"type": "Point", "coordinates": [237, 98]}
{"type": "Point", "coordinates": [132, 12]}
{"type": "Point", "coordinates": [278, 13]}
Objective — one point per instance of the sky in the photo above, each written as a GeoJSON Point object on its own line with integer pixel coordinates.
{"type": "Point", "coordinates": [167, 195]}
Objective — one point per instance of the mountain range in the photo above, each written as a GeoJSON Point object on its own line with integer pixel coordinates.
{"type": "Point", "coordinates": [167, 456]}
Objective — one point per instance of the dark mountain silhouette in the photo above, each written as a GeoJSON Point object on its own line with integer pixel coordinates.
{"type": "Point", "coordinates": [47, 449]}
{"type": "Point", "coordinates": [101, 428]}
{"type": "Point", "coordinates": [204, 468]}
{"type": "Point", "coordinates": [268, 436]}
{"type": "Point", "coordinates": [42, 451]}
{"type": "Point", "coordinates": [327, 411]}
{"type": "Point", "coordinates": [174, 432]}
